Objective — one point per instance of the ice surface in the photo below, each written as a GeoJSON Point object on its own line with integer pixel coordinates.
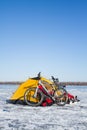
{"type": "Point", "coordinates": [18, 117]}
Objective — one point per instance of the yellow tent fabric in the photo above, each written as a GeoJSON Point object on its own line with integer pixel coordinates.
{"type": "Point", "coordinates": [18, 95]}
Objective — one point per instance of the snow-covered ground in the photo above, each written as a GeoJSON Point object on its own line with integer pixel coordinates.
{"type": "Point", "coordinates": [18, 117]}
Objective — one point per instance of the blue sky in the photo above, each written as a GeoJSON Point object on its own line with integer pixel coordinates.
{"type": "Point", "coordinates": [48, 36]}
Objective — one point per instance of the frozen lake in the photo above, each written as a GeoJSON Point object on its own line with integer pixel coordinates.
{"type": "Point", "coordinates": [18, 117]}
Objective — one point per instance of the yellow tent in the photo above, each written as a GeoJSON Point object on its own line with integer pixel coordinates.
{"type": "Point", "coordinates": [18, 95]}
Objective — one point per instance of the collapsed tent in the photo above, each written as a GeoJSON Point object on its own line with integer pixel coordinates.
{"type": "Point", "coordinates": [18, 95]}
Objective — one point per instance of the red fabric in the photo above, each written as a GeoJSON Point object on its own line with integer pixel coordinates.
{"type": "Point", "coordinates": [42, 89]}
{"type": "Point", "coordinates": [70, 96]}
{"type": "Point", "coordinates": [47, 102]}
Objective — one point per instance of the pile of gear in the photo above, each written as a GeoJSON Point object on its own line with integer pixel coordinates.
{"type": "Point", "coordinates": [39, 91]}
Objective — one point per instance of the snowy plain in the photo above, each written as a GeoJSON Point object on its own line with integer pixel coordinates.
{"type": "Point", "coordinates": [18, 117]}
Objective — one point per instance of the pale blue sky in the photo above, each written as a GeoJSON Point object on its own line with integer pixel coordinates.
{"type": "Point", "coordinates": [43, 35]}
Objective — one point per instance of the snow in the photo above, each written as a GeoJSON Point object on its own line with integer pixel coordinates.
{"type": "Point", "coordinates": [18, 117]}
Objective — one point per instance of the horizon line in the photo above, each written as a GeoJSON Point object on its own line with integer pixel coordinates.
{"type": "Point", "coordinates": [67, 83]}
